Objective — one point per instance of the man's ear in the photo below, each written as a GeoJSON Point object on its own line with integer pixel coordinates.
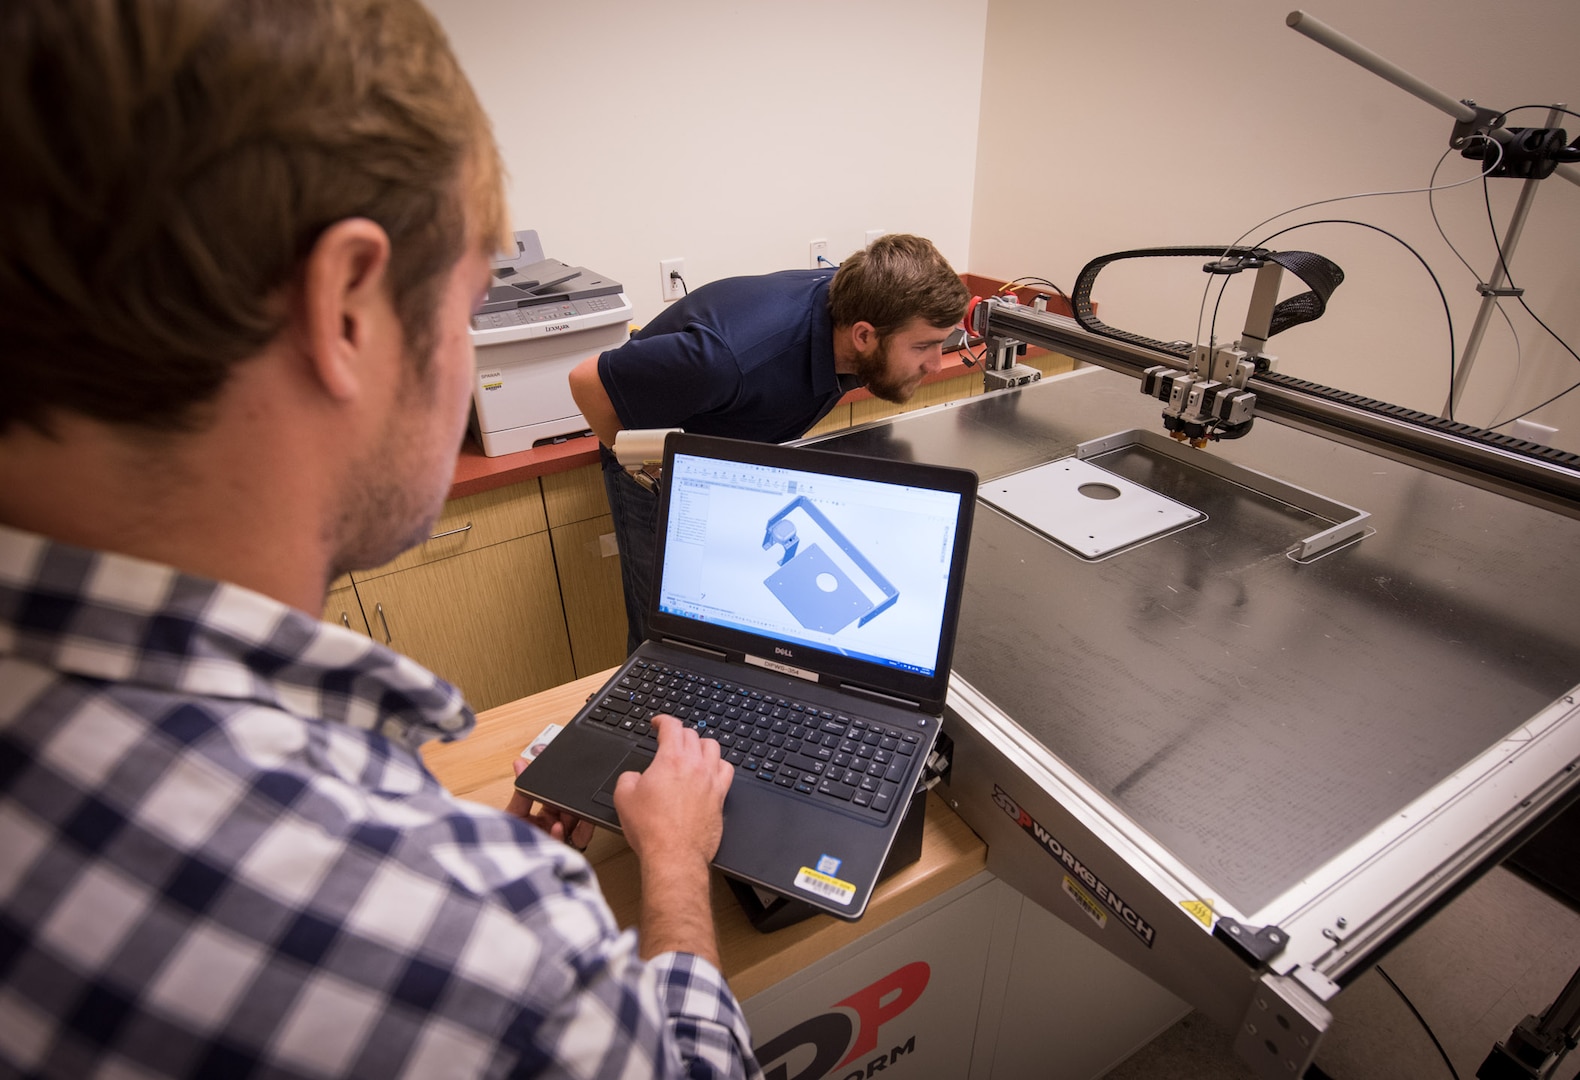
{"type": "Point", "coordinates": [864, 336]}
{"type": "Point", "coordinates": [346, 308]}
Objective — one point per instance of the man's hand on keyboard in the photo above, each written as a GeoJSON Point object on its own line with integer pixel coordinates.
{"type": "Point", "coordinates": [673, 818]}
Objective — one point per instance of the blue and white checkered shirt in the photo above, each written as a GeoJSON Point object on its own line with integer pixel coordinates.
{"type": "Point", "coordinates": [220, 855]}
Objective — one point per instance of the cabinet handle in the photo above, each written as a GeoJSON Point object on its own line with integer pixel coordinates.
{"type": "Point", "coordinates": [345, 619]}
{"type": "Point", "coordinates": [464, 528]}
{"type": "Point", "coordinates": [388, 639]}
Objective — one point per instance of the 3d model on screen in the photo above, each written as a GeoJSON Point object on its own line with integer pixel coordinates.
{"type": "Point", "coordinates": [812, 585]}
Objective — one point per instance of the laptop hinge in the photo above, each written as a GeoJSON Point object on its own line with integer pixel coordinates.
{"type": "Point", "coordinates": [878, 695]}
{"type": "Point", "coordinates": [698, 649]}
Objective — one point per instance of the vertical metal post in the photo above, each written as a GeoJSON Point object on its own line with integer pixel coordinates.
{"type": "Point", "coordinates": [1495, 281]}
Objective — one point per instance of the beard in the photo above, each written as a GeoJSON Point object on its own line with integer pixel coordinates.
{"type": "Point", "coordinates": [873, 371]}
{"type": "Point", "coordinates": [393, 504]}
{"type": "Point", "coordinates": [383, 517]}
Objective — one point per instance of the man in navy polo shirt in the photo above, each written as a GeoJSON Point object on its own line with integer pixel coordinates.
{"type": "Point", "coordinates": [764, 358]}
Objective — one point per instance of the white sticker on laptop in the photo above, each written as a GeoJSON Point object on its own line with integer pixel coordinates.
{"type": "Point", "coordinates": [826, 886]}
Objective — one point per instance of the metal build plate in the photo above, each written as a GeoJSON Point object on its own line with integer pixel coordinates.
{"type": "Point", "coordinates": [1089, 510]}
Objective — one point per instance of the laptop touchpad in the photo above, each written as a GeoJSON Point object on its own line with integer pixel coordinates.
{"type": "Point", "coordinates": [635, 761]}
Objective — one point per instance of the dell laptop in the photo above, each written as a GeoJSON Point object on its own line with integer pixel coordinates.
{"type": "Point", "coordinates": [803, 615]}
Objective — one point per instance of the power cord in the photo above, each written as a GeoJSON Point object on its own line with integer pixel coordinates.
{"type": "Point", "coordinates": [675, 275]}
{"type": "Point", "coordinates": [1313, 1072]}
{"type": "Point", "coordinates": [1428, 1027]}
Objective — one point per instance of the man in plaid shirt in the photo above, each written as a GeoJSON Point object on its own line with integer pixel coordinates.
{"type": "Point", "coordinates": [240, 243]}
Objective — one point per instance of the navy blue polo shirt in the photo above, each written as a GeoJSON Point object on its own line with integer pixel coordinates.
{"type": "Point", "coordinates": [744, 357]}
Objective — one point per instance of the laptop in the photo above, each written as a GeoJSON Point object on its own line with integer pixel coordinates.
{"type": "Point", "coordinates": [803, 614]}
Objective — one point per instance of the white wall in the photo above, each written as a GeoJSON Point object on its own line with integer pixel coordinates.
{"type": "Point", "coordinates": [1026, 137]}
{"type": "Point", "coordinates": [727, 134]}
{"type": "Point", "coordinates": [1144, 123]}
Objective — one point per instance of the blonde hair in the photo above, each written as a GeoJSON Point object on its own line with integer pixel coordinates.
{"type": "Point", "coordinates": [171, 164]}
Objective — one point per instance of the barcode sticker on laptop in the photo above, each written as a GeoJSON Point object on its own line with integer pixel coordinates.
{"type": "Point", "coordinates": [841, 892]}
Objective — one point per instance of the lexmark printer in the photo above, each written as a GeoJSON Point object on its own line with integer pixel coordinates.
{"type": "Point", "coordinates": [541, 318]}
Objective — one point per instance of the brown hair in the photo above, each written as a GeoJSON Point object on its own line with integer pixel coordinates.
{"type": "Point", "coordinates": [170, 165]}
{"type": "Point", "coordinates": [894, 280]}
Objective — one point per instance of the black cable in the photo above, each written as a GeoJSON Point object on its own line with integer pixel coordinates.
{"type": "Point", "coordinates": [1517, 108]}
{"type": "Point", "coordinates": [1428, 1027]}
{"type": "Point", "coordinates": [1323, 202]}
{"type": "Point", "coordinates": [1212, 327]}
{"type": "Point", "coordinates": [1431, 186]}
{"type": "Point", "coordinates": [1447, 314]}
{"type": "Point", "coordinates": [675, 275]}
{"type": "Point", "coordinates": [1486, 195]}
{"type": "Point", "coordinates": [971, 359]}
{"type": "Point", "coordinates": [1533, 408]}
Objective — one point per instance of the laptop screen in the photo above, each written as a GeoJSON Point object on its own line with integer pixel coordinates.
{"type": "Point", "coordinates": [853, 567]}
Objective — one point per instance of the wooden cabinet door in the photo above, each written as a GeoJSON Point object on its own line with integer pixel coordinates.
{"type": "Point", "coordinates": [575, 495]}
{"type": "Point", "coordinates": [589, 566]}
{"type": "Point", "coordinates": [470, 523]}
{"type": "Point", "coordinates": [489, 621]}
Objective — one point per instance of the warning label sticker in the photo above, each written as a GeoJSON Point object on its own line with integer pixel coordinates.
{"type": "Point", "coordinates": [1201, 910]}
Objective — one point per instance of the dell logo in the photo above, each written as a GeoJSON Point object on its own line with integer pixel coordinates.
{"type": "Point", "coordinates": [782, 651]}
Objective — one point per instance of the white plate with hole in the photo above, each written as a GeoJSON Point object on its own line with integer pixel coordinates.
{"type": "Point", "coordinates": [1087, 509]}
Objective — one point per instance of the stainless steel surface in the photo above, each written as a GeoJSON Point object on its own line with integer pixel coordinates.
{"type": "Point", "coordinates": [1253, 715]}
{"type": "Point", "coordinates": [1344, 523]}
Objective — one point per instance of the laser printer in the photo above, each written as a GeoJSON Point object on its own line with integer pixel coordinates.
{"type": "Point", "coordinates": [540, 319]}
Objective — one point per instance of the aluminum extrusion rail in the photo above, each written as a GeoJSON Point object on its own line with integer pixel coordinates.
{"type": "Point", "coordinates": [1538, 475]}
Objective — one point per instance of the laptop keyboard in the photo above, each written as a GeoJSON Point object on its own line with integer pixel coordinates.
{"type": "Point", "coordinates": [794, 745]}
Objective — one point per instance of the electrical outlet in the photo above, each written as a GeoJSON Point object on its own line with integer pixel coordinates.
{"type": "Point", "coordinates": [819, 255]}
{"type": "Point", "coordinates": [671, 279]}
{"type": "Point", "coordinates": [873, 234]}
